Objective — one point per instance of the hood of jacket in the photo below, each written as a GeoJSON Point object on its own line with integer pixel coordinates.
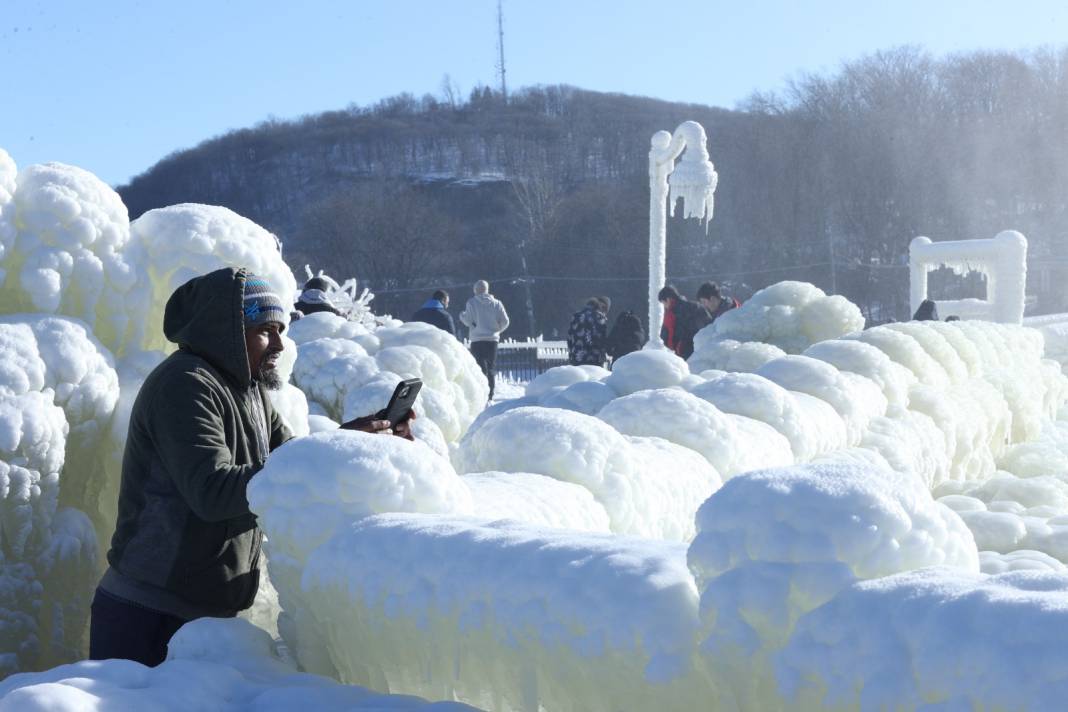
{"type": "Point", "coordinates": [204, 316]}
{"type": "Point", "coordinates": [433, 304]}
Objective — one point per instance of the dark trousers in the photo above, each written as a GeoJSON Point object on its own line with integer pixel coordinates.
{"type": "Point", "coordinates": [118, 629]}
{"type": "Point", "coordinates": [485, 353]}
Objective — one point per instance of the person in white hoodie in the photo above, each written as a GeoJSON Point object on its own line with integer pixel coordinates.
{"type": "Point", "coordinates": [486, 318]}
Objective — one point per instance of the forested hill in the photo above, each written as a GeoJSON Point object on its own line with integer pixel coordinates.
{"type": "Point", "coordinates": [273, 171]}
{"type": "Point", "coordinates": [547, 192]}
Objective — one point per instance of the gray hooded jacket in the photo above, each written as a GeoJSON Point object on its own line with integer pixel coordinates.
{"type": "Point", "coordinates": [185, 542]}
{"type": "Point", "coordinates": [485, 316]}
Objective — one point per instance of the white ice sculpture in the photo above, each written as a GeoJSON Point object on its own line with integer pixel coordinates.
{"type": "Point", "coordinates": [1002, 260]}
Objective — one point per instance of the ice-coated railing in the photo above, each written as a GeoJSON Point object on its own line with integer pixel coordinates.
{"type": "Point", "coordinates": [1002, 260]}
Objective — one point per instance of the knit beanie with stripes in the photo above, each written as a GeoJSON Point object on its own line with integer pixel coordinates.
{"type": "Point", "coordinates": [260, 304]}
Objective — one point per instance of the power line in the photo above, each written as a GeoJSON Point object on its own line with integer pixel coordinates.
{"type": "Point", "coordinates": [517, 279]}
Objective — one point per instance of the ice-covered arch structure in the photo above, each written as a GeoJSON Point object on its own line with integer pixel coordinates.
{"type": "Point", "coordinates": [1002, 260]}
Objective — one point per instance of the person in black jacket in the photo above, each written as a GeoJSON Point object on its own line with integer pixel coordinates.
{"type": "Point", "coordinates": [927, 311]}
{"type": "Point", "coordinates": [713, 301]}
{"type": "Point", "coordinates": [626, 336]}
{"type": "Point", "coordinates": [435, 311]}
{"type": "Point", "coordinates": [682, 320]}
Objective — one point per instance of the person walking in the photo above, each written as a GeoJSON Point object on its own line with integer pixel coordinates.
{"type": "Point", "coordinates": [435, 312]}
{"type": "Point", "coordinates": [682, 320]}
{"type": "Point", "coordinates": [587, 335]}
{"type": "Point", "coordinates": [486, 318]}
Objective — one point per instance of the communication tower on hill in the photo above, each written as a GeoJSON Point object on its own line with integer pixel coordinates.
{"type": "Point", "coordinates": [500, 50]}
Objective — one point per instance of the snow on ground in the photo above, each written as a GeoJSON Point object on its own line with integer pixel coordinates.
{"type": "Point", "coordinates": [212, 664]}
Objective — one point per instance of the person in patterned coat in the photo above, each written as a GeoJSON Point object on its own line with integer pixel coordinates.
{"type": "Point", "coordinates": [587, 336]}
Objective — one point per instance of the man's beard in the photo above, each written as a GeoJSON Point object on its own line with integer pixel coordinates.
{"type": "Point", "coordinates": [269, 377]}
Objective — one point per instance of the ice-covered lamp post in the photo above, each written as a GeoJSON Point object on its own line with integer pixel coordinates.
{"type": "Point", "coordinates": [693, 180]}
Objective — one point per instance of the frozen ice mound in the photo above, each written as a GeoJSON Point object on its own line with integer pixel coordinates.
{"type": "Point", "coordinates": [349, 377]}
{"type": "Point", "coordinates": [728, 354]}
{"type": "Point", "coordinates": [944, 638]}
{"type": "Point", "coordinates": [536, 499]}
{"type": "Point", "coordinates": [775, 544]}
{"type": "Point", "coordinates": [170, 246]}
{"type": "Point", "coordinates": [730, 443]}
{"type": "Point", "coordinates": [809, 424]}
{"type": "Point", "coordinates": [437, 598]}
{"type": "Point", "coordinates": [644, 370]}
{"type": "Point", "coordinates": [63, 240]}
{"type": "Point", "coordinates": [788, 315]}
{"type": "Point", "coordinates": [648, 486]}
{"type": "Point", "coordinates": [58, 391]}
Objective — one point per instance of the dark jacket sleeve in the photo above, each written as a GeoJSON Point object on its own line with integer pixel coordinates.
{"type": "Point", "coordinates": [452, 324]}
{"type": "Point", "coordinates": [186, 425]}
{"type": "Point", "coordinates": [280, 432]}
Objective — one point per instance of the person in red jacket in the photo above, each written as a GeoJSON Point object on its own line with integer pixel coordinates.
{"type": "Point", "coordinates": [682, 320]}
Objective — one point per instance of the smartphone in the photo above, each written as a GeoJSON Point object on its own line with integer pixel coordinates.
{"type": "Point", "coordinates": [402, 400]}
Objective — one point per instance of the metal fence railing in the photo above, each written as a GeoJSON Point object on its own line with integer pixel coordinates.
{"type": "Point", "coordinates": [523, 361]}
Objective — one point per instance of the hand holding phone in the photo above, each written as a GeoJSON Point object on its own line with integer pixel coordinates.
{"type": "Point", "coordinates": [395, 417]}
{"type": "Point", "coordinates": [400, 404]}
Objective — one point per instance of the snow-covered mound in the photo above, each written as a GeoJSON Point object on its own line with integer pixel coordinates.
{"type": "Point", "coordinates": [798, 537]}
{"type": "Point", "coordinates": [481, 610]}
{"type": "Point", "coordinates": [789, 315]}
{"type": "Point", "coordinates": [57, 393]}
{"type": "Point", "coordinates": [933, 639]}
{"type": "Point", "coordinates": [537, 499]}
{"type": "Point", "coordinates": [730, 443]}
{"type": "Point", "coordinates": [312, 487]}
{"type": "Point", "coordinates": [1056, 338]}
{"type": "Point", "coordinates": [730, 355]}
{"type": "Point", "coordinates": [212, 664]}
{"type": "Point", "coordinates": [348, 372]}
{"type": "Point", "coordinates": [66, 254]}
{"type": "Point", "coordinates": [925, 407]}
{"type": "Point", "coordinates": [8, 174]}
{"type": "Point", "coordinates": [648, 486]}
{"type": "Point", "coordinates": [170, 246]}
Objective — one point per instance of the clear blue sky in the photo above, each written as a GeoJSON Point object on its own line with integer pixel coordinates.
{"type": "Point", "coordinates": [115, 85]}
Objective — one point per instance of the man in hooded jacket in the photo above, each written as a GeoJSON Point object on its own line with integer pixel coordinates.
{"type": "Point", "coordinates": [186, 544]}
{"type": "Point", "coordinates": [486, 318]}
